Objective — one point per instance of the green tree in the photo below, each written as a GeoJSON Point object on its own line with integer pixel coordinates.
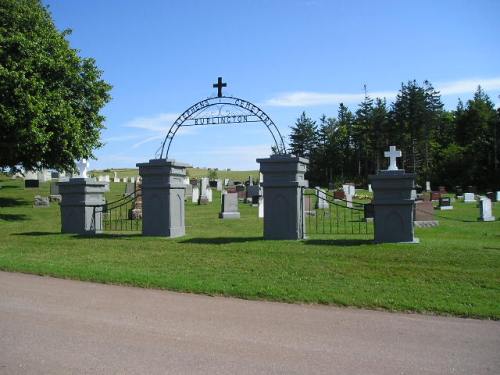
{"type": "Point", "coordinates": [477, 133]}
{"type": "Point", "coordinates": [50, 98]}
{"type": "Point", "coordinates": [303, 138]}
{"type": "Point", "coordinates": [415, 116]}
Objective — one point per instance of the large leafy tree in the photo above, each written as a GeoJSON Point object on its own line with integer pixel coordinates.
{"type": "Point", "coordinates": [50, 97]}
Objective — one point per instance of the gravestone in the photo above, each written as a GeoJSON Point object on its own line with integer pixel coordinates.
{"type": "Point", "coordinates": [44, 175]}
{"type": "Point", "coordinates": [428, 186]}
{"type": "Point", "coordinates": [116, 178]}
{"type": "Point", "coordinates": [370, 188]}
{"type": "Point", "coordinates": [445, 204]}
{"type": "Point", "coordinates": [308, 206]}
{"type": "Point", "coordinates": [55, 195]}
{"type": "Point", "coordinates": [469, 198]}
{"type": "Point", "coordinates": [204, 187]}
{"type": "Point", "coordinates": [189, 192]}
{"type": "Point", "coordinates": [261, 196]}
{"type": "Point", "coordinates": [253, 191]}
{"type": "Point", "coordinates": [413, 194]}
{"type": "Point", "coordinates": [129, 189]}
{"type": "Point", "coordinates": [40, 201]}
{"type": "Point", "coordinates": [283, 183]}
{"type": "Point", "coordinates": [219, 186]}
{"type": "Point", "coordinates": [459, 192]}
{"type": "Point", "coordinates": [136, 211]}
{"type": "Point", "coordinates": [339, 194]}
{"type": "Point", "coordinates": [348, 202]}
{"type": "Point", "coordinates": [31, 183]}
{"type": "Point", "coordinates": [132, 179]}
{"type": "Point", "coordinates": [322, 203]}
{"type": "Point", "coordinates": [255, 201]}
{"type": "Point", "coordinates": [497, 196]}
{"type": "Point", "coordinates": [435, 196]}
{"type": "Point", "coordinates": [229, 206]}
{"type": "Point", "coordinates": [209, 195]}
{"type": "Point", "coordinates": [393, 219]}
{"type": "Point", "coordinates": [163, 197]}
{"type": "Point", "coordinates": [485, 210]}
{"type": "Point", "coordinates": [226, 181]}
{"type": "Point", "coordinates": [196, 194]}
{"type": "Point", "coordinates": [250, 181]}
{"type": "Point", "coordinates": [349, 189]}
{"type": "Point", "coordinates": [424, 215]}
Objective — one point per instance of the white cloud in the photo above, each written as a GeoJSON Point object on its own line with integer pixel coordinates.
{"type": "Point", "coordinates": [468, 86]}
{"type": "Point", "coordinates": [157, 123]}
{"type": "Point", "coordinates": [156, 127]}
{"type": "Point", "coordinates": [307, 98]}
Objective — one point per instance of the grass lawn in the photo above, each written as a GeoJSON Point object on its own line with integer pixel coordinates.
{"type": "Point", "coordinates": [454, 270]}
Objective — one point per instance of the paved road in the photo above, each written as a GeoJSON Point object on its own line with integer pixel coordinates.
{"type": "Point", "coordinates": [52, 326]}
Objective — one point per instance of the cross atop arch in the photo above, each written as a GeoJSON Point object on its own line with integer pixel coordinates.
{"type": "Point", "coordinates": [219, 85]}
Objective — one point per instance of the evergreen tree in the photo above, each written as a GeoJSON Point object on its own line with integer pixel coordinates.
{"type": "Point", "coordinates": [303, 138]}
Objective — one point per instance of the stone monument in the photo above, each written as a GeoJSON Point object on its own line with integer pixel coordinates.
{"type": "Point", "coordinates": [393, 206]}
{"type": "Point", "coordinates": [80, 201]}
{"type": "Point", "coordinates": [163, 197]}
{"type": "Point", "coordinates": [485, 213]}
{"type": "Point", "coordinates": [284, 208]}
{"type": "Point", "coordinates": [229, 206]}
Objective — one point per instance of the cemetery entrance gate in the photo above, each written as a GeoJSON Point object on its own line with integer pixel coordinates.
{"type": "Point", "coordinates": [323, 214]}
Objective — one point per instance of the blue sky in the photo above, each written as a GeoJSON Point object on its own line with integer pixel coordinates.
{"type": "Point", "coordinates": [286, 56]}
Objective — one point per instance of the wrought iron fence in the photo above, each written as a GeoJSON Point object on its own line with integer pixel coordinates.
{"type": "Point", "coordinates": [120, 215]}
{"type": "Point", "coordinates": [325, 214]}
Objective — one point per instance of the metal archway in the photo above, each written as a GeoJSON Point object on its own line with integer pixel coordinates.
{"type": "Point", "coordinates": [194, 116]}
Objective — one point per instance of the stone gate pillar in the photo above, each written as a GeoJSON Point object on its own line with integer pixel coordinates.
{"type": "Point", "coordinates": [393, 203]}
{"type": "Point", "coordinates": [284, 208]}
{"type": "Point", "coordinates": [79, 196]}
{"type": "Point", "coordinates": [163, 197]}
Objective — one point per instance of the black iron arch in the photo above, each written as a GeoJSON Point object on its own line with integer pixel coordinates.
{"type": "Point", "coordinates": [190, 117]}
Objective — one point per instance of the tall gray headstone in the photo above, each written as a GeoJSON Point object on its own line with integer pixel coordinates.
{"type": "Point", "coordinates": [284, 208]}
{"type": "Point", "coordinates": [79, 196]}
{"type": "Point", "coordinates": [163, 197]}
{"type": "Point", "coordinates": [393, 203]}
{"type": "Point", "coordinates": [229, 206]}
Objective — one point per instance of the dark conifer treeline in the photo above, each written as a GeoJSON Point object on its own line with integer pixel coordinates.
{"type": "Point", "coordinates": [459, 147]}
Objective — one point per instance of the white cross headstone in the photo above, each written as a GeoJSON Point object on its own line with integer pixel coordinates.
{"type": "Point", "coordinates": [392, 154]}
{"type": "Point", "coordinates": [83, 166]}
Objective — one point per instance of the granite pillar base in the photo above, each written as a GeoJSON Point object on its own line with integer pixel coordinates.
{"type": "Point", "coordinates": [79, 198]}
{"type": "Point", "coordinates": [163, 198]}
{"type": "Point", "coordinates": [393, 206]}
{"type": "Point", "coordinates": [283, 177]}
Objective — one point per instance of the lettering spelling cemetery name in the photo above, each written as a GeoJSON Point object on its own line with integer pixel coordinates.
{"type": "Point", "coordinates": [228, 119]}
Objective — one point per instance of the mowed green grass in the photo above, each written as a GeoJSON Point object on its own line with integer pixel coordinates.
{"type": "Point", "coordinates": [454, 270]}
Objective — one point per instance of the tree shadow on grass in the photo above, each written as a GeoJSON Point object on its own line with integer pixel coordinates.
{"type": "Point", "coordinates": [353, 242]}
{"type": "Point", "coordinates": [221, 240]}
{"type": "Point", "coordinates": [83, 236]}
{"type": "Point", "coordinates": [12, 202]}
{"type": "Point", "coordinates": [13, 217]}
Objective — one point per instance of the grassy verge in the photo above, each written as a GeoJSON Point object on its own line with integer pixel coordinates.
{"type": "Point", "coordinates": [455, 270]}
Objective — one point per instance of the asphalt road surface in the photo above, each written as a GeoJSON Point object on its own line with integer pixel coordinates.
{"type": "Point", "coordinates": [52, 326]}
